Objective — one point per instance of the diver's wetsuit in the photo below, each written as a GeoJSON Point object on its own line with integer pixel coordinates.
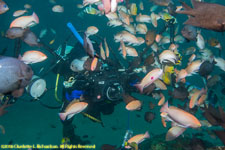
{"type": "Point", "coordinates": [91, 83]}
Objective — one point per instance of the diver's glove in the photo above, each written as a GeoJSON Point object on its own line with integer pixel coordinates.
{"type": "Point", "coordinates": [76, 94]}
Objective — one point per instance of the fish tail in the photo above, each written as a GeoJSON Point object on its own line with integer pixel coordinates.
{"type": "Point", "coordinates": [62, 116]}
{"type": "Point", "coordinates": [165, 107]}
{"type": "Point", "coordinates": [147, 135]}
{"type": "Point", "coordinates": [139, 87]}
{"type": "Point", "coordinates": [36, 19]}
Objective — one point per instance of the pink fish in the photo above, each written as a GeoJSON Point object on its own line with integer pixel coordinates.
{"type": "Point", "coordinates": [25, 21]}
{"type": "Point", "coordinates": [107, 6]}
{"type": "Point", "coordinates": [181, 117]}
{"type": "Point", "coordinates": [149, 79]}
{"type": "Point", "coordinates": [73, 108]}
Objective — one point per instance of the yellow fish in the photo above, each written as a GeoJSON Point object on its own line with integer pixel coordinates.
{"type": "Point", "coordinates": [90, 10]}
{"type": "Point", "coordinates": [167, 17]}
{"type": "Point", "coordinates": [166, 77]}
{"type": "Point", "coordinates": [52, 41]}
{"type": "Point", "coordinates": [133, 9]}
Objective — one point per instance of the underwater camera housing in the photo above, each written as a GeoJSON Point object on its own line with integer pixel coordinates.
{"type": "Point", "coordinates": [106, 87]}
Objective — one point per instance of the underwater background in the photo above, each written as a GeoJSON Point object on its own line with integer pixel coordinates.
{"type": "Point", "coordinates": [29, 122]}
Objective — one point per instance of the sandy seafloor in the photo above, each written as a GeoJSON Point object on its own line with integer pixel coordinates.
{"type": "Point", "coordinates": [31, 123]}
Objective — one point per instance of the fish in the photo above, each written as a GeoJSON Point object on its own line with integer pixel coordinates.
{"type": "Point", "coordinates": [133, 9]}
{"type": "Point", "coordinates": [149, 116]}
{"type": "Point", "coordinates": [77, 65]}
{"type": "Point", "coordinates": [141, 28]}
{"type": "Point", "coordinates": [114, 23]}
{"type": "Point", "coordinates": [25, 21]}
{"type": "Point", "coordinates": [30, 38]}
{"type": "Point", "coordinates": [33, 56]}
{"type": "Point", "coordinates": [19, 13]}
{"type": "Point", "coordinates": [180, 119]}
{"type": "Point", "coordinates": [134, 105]}
{"type": "Point", "coordinates": [180, 92]}
{"type": "Point", "coordinates": [15, 32]}
{"type": "Point", "coordinates": [149, 79]}
{"type": "Point", "coordinates": [72, 109]}
{"type": "Point", "coordinates": [150, 37]}
{"type": "Point", "coordinates": [106, 48]}
{"type": "Point", "coordinates": [130, 28]}
{"type": "Point", "coordinates": [94, 63]}
{"type": "Point", "coordinates": [15, 75]}
{"type": "Point", "coordinates": [124, 17]}
{"type": "Point", "coordinates": [3, 7]}
{"type": "Point", "coordinates": [200, 41]}
{"type": "Point", "coordinates": [52, 41]}
{"type": "Point", "coordinates": [154, 19]}
{"type": "Point", "coordinates": [193, 67]}
{"type": "Point", "coordinates": [102, 52]}
{"type": "Point", "coordinates": [88, 47]}
{"type": "Point", "coordinates": [58, 9]}
{"type": "Point", "coordinates": [141, 5]}
{"type": "Point", "coordinates": [143, 18]}
{"type": "Point", "coordinates": [124, 52]}
{"type": "Point", "coordinates": [189, 51]}
{"type": "Point", "coordinates": [162, 99]}
{"type": "Point", "coordinates": [189, 32]}
{"type": "Point", "coordinates": [167, 56]}
{"type": "Point", "coordinates": [91, 30]}
{"type": "Point", "coordinates": [180, 75]}
{"type": "Point", "coordinates": [92, 11]}
{"type": "Point", "coordinates": [220, 62]}
{"type": "Point", "coordinates": [159, 84]}
{"type": "Point", "coordinates": [42, 33]}
{"type": "Point", "coordinates": [107, 6]}
{"type": "Point", "coordinates": [27, 6]}
{"type": "Point", "coordinates": [203, 15]}
{"type": "Point", "coordinates": [161, 2]}
{"type": "Point", "coordinates": [113, 5]}
{"type": "Point", "coordinates": [138, 138]}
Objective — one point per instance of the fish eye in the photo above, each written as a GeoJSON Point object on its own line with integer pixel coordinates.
{"type": "Point", "coordinates": [5, 6]}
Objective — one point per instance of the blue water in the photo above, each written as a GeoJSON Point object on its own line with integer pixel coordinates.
{"type": "Point", "coordinates": [31, 123]}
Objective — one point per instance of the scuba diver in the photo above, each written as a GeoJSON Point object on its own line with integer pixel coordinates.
{"type": "Point", "coordinates": [102, 88]}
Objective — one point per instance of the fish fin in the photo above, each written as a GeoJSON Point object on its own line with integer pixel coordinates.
{"type": "Point", "coordinates": [70, 116]}
{"type": "Point", "coordinates": [36, 19]}
{"type": "Point", "coordinates": [174, 132]}
{"type": "Point", "coordinates": [192, 21]}
{"type": "Point", "coordinates": [185, 6]}
{"type": "Point", "coordinates": [164, 108]}
{"type": "Point", "coordinates": [62, 116]}
{"type": "Point", "coordinates": [186, 12]}
{"type": "Point", "coordinates": [139, 87]}
{"type": "Point", "coordinates": [147, 135]}
{"type": "Point", "coordinates": [196, 4]}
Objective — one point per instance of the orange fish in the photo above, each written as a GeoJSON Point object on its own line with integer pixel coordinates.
{"type": "Point", "coordinates": [138, 138]}
{"type": "Point", "coordinates": [73, 108]}
{"type": "Point", "coordinates": [162, 100]}
{"type": "Point", "coordinates": [94, 63]}
{"type": "Point", "coordinates": [102, 52]}
{"type": "Point", "coordinates": [106, 48]}
{"type": "Point", "coordinates": [25, 21]}
{"type": "Point", "coordinates": [124, 52]}
{"type": "Point", "coordinates": [33, 56]}
{"type": "Point", "coordinates": [134, 105]}
{"type": "Point", "coordinates": [181, 117]}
